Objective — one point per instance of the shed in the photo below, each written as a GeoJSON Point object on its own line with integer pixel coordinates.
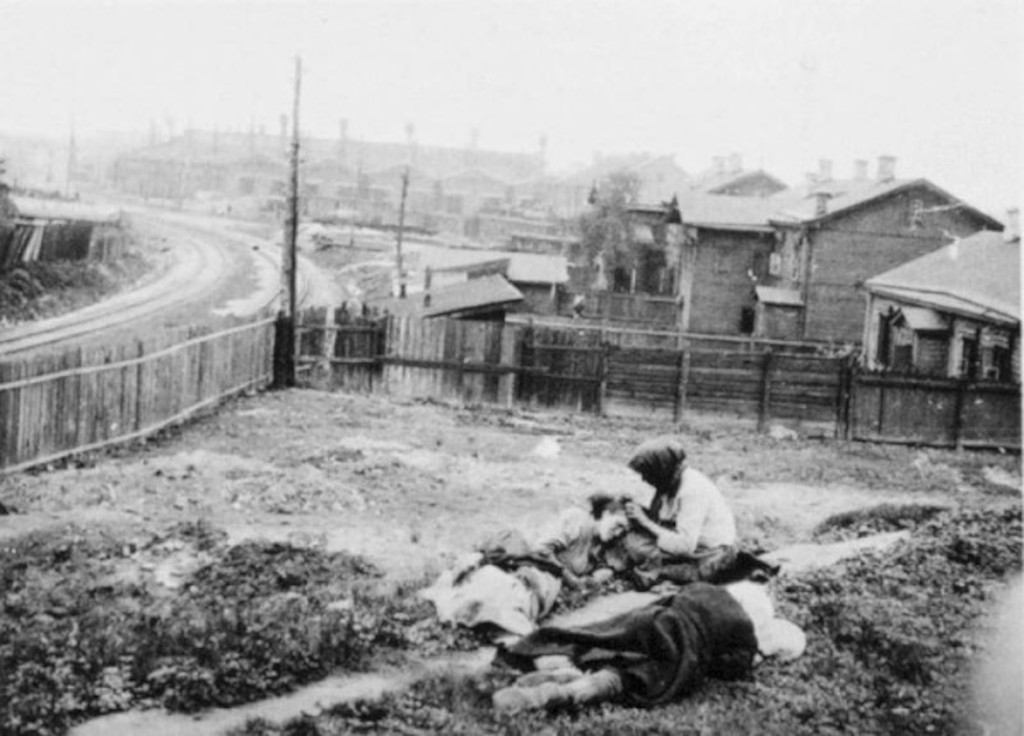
{"type": "Point", "coordinates": [487, 297]}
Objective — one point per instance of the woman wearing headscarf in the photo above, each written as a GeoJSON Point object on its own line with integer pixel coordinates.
{"type": "Point", "coordinates": [688, 520]}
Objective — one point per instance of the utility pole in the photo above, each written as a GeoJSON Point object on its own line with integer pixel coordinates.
{"type": "Point", "coordinates": [401, 228]}
{"type": "Point", "coordinates": [284, 342]}
{"type": "Point", "coordinates": [291, 258]}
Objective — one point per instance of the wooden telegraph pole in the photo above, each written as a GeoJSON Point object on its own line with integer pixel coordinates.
{"type": "Point", "coordinates": [401, 228]}
{"type": "Point", "coordinates": [284, 345]}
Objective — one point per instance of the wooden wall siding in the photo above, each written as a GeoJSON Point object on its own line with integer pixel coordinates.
{"type": "Point", "coordinates": [447, 360]}
{"type": "Point", "coordinates": [55, 405]}
{"type": "Point", "coordinates": [721, 286]}
{"type": "Point", "coordinates": [562, 368]}
{"type": "Point", "coordinates": [852, 248]}
{"type": "Point", "coordinates": [903, 410]}
{"type": "Point", "coordinates": [944, 412]}
{"type": "Point", "coordinates": [991, 416]}
{"type": "Point", "coordinates": [619, 372]}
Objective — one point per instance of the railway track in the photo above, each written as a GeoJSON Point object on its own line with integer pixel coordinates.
{"type": "Point", "coordinates": [205, 260]}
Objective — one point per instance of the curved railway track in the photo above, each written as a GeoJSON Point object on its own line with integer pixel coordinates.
{"type": "Point", "coordinates": [204, 262]}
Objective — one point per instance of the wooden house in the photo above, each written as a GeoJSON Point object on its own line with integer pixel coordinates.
{"type": "Point", "coordinates": [829, 241]}
{"type": "Point", "coordinates": [790, 266]}
{"type": "Point", "coordinates": [951, 313]}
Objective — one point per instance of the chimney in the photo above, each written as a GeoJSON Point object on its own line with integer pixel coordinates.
{"type": "Point", "coordinates": [821, 203]}
{"type": "Point", "coordinates": [283, 131]}
{"type": "Point", "coordinates": [1012, 224]}
{"type": "Point", "coordinates": [410, 134]}
{"type": "Point", "coordinates": [886, 168]}
{"type": "Point", "coordinates": [474, 138]}
{"type": "Point", "coordinates": [811, 180]}
{"type": "Point", "coordinates": [343, 130]}
{"type": "Point", "coordinates": [735, 162]}
{"type": "Point", "coordinates": [860, 169]}
{"type": "Point", "coordinates": [718, 164]}
{"type": "Point", "coordinates": [824, 170]}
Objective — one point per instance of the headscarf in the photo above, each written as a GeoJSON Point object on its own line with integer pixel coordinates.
{"type": "Point", "coordinates": [659, 462]}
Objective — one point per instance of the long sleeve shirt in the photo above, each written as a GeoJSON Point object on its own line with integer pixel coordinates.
{"type": "Point", "coordinates": [696, 517]}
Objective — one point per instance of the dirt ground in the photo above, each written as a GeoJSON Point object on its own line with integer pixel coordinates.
{"type": "Point", "coordinates": [411, 485]}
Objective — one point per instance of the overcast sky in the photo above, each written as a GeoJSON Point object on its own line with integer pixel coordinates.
{"type": "Point", "coordinates": [784, 82]}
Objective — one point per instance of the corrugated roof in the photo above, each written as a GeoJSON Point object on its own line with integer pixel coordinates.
{"type": "Point", "coordinates": [978, 276]}
{"type": "Point", "coordinates": [779, 296]}
{"type": "Point", "coordinates": [471, 295]}
{"type": "Point", "coordinates": [57, 209]}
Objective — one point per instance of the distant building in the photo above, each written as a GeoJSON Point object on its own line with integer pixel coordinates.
{"type": "Point", "coordinates": [345, 178]}
{"type": "Point", "coordinates": [540, 279]}
{"type": "Point", "coordinates": [833, 238]}
{"type": "Point", "coordinates": [727, 177]}
{"type": "Point", "coordinates": [951, 313]}
{"type": "Point", "coordinates": [791, 265]}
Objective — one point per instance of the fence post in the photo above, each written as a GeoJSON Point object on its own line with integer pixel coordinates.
{"type": "Point", "coordinates": [764, 408]}
{"type": "Point", "coordinates": [284, 351]}
{"type": "Point", "coordinates": [843, 396]}
{"type": "Point", "coordinates": [848, 415]}
{"type": "Point", "coordinates": [677, 405]}
{"type": "Point", "coordinates": [602, 387]}
{"type": "Point", "coordinates": [958, 413]}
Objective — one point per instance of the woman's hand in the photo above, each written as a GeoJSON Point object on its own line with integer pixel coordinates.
{"type": "Point", "coordinates": [636, 514]}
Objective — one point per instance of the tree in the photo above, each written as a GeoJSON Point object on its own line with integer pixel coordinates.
{"type": "Point", "coordinates": [606, 233]}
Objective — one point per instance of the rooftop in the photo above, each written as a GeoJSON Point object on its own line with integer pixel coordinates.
{"type": "Point", "coordinates": [58, 209]}
{"type": "Point", "coordinates": [978, 276]}
{"type": "Point", "coordinates": [474, 295]}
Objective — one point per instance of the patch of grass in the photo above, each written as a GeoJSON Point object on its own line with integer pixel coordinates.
{"type": "Point", "coordinates": [77, 639]}
{"type": "Point", "coordinates": [46, 289]}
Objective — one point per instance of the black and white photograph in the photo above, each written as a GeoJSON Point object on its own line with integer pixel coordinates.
{"type": "Point", "coordinates": [511, 367]}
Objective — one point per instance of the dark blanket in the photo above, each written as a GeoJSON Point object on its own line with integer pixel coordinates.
{"type": "Point", "coordinates": [662, 651]}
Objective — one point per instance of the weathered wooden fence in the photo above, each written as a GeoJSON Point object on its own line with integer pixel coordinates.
{"type": "Point", "coordinates": [933, 411]}
{"type": "Point", "coordinates": [601, 371]}
{"type": "Point", "coordinates": [650, 372]}
{"type": "Point", "coordinates": [84, 399]}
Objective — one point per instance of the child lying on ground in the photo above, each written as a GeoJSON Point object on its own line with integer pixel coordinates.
{"type": "Point", "coordinates": [510, 585]}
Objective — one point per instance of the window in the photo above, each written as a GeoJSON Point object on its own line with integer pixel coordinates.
{"type": "Point", "coordinates": [882, 348]}
{"type": "Point", "coordinates": [759, 265]}
{"type": "Point", "coordinates": [916, 218]}
{"type": "Point", "coordinates": [720, 261]}
{"type": "Point", "coordinates": [1000, 367]}
{"type": "Point", "coordinates": [969, 358]}
{"type": "Point", "coordinates": [747, 318]}
{"type": "Point", "coordinates": [775, 264]}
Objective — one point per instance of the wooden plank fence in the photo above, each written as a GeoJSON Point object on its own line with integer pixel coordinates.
{"type": "Point", "coordinates": [650, 372]}
{"type": "Point", "coordinates": [82, 399]}
{"type": "Point", "coordinates": [933, 411]}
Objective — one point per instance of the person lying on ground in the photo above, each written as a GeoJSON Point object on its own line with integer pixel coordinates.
{"type": "Point", "coordinates": [650, 656]}
{"type": "Point", "coordinates": [691, 526]}
{"type": "Point", "coordinates": [509, 585]}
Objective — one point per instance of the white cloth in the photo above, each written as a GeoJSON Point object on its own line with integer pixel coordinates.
{"type": "Point", "coordinates": [491, 595]}
{"type": "Point", "coordinates": [776, 637]}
